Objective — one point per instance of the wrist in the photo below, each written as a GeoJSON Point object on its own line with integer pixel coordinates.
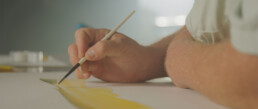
{"type": "Point", "coordinates": [155, 58]}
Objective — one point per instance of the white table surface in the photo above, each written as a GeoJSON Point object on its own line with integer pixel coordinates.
{"type": "Point", "coordinates": [26, 91]}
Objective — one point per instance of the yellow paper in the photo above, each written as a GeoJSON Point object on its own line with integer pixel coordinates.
{"type": "Point", "coordinates": [75, 91]}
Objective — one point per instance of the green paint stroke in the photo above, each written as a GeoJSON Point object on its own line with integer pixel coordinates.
{"type": "Point", "coordinates": [50, 81]}
{"type": "Point", "coordinates": [75, 91]}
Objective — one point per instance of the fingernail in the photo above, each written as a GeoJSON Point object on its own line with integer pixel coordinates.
{"type": "Point", "coordinates": [90, 54]}
{"type": "Point", "coordinates": [85, 75]}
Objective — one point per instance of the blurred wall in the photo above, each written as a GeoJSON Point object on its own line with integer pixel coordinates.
{"type": "Point", "coordinates": [49, 25]}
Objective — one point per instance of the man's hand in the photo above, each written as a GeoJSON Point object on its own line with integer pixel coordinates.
{"type": "Point", "coordinates": [119, 59]}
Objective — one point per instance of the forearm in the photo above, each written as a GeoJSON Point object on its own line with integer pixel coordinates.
{"type": "Point", "coordinates": [218, 71]}
{"type": "Point", "coordinates": [163, 44]}
{"type": "Point", "coordinates": [158, 51]}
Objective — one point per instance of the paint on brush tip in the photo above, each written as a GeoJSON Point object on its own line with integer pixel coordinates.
{"type": "Point", "coordinates": [76, 92]}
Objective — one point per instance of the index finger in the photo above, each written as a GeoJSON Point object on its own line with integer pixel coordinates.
{"type": "Point", "coordinates": [85, 37]}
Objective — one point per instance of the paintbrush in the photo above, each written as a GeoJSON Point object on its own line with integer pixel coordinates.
{"type": "Point", "coordinates": [107, 36]}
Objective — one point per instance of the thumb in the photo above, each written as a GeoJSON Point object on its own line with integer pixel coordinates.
{"type": "Point", "coordinates": [102, 49]}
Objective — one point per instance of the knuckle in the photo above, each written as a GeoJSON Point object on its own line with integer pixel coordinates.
{"type": "Point", "coordinates": [84, 34]}
{"type": "Point", "coordinates": [119, 38]}
{"type": "Point", "coordinates": [105, 30]}
{"type": "Point", "coordinates": [79, 32]}
{"type": "Point", "coordinates": [102, 46]}
{"type": "Point", "coordinates": [116, 36]}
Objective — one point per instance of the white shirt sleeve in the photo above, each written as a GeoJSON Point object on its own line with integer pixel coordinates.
{"type": "Point", "coordinates": [213, 20]}
{"type": "Point", "coordinates": [205, 20]}
{"type": "Point", "coordinates": [244, 26]}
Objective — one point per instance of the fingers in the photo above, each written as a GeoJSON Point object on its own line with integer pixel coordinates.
{"type": "Point", "coordinates": [101, 49]}
{"type": "Point", "coordinates": [73, 53]}
{"type": "Point", "coordinates": [83, 39]}
{"type": "Point", "coordinates": [86, 37]}
{"type": "Point", "coordinates": [89, 68]}
{"type": "Point", "coordinates": [95, 68]}
{"type": "Point", "coordinates": [84, 73]}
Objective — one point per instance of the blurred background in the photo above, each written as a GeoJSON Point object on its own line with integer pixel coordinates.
{"type": "Point", "coordinates": [49, 25]}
